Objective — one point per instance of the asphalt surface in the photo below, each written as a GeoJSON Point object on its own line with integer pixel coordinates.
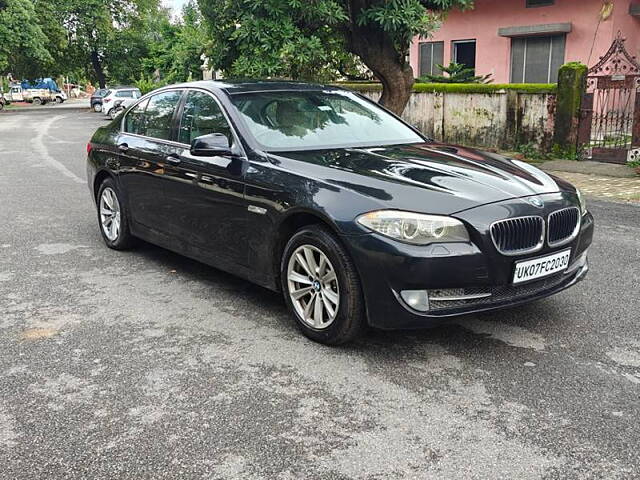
{"type": "Point", "coordinates": [143, 364]}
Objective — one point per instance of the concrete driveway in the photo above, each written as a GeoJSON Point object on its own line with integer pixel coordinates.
{"type": "Point", "coordinates": [144, 364]}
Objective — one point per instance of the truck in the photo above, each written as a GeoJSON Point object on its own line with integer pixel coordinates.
{"type": "Point", "coordinates": [37, 96]}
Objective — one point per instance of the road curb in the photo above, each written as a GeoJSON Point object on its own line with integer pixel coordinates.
{"type": "Point", "coordinates": [23, 110]}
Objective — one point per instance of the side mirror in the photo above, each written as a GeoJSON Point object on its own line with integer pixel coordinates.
{"type": "Point", "coordinates": [210, 145]}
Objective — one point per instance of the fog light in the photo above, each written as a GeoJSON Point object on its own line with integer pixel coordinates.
{"type": "Point", "coordinates": [416, 299]}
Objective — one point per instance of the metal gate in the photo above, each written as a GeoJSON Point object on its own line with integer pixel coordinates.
{"type": "Point", "coordinates": [610, 117]}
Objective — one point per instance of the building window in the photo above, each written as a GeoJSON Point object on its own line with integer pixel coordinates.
{"type": "Point", "coordinates": [464, 52]}
{"type": "Point", "coordinates": [536, 59]}
{"type": "Point", "coordinates": [539, 3]}
{"type": "Point", "coordinates": [431, 55]}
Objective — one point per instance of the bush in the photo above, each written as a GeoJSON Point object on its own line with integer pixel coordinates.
{"type": "Point", "coordinates": [459, 87]}
{"type": "Point", "coordinates": [532, 152]}
{"type": "Point", "coordinates": [456, 73]}
{"type": "Point", "coordinates": [146, 85]}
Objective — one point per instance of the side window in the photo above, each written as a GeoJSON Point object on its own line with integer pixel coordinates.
{"type": "Point", "coordinates": [159, 114]}
{"type": "Point", "coordinates": [134, 121]}
{"type": "Point", "coordinates": [125, 94]}
{"type": "Point", "coordinates": [202, 116]}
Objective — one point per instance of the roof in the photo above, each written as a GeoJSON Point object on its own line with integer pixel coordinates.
{"type": "Point", "coordinates": [245, 86]}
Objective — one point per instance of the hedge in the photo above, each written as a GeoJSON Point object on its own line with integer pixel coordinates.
{"type": "Point", "coordinates": [460, 87]}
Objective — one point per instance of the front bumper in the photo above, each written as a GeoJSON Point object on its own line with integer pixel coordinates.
{"type": "Point", "coordinates": [475, 272]}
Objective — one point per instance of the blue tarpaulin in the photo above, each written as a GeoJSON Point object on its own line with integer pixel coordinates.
{"type": "Point", "coordinates": [47, 83]}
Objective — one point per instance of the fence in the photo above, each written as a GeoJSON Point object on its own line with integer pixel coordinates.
{"type": "Point", "coordinates": [499, 118]}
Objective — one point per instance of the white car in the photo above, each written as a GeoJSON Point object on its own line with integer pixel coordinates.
{"type": "Point", "coordinates": [118, 99]}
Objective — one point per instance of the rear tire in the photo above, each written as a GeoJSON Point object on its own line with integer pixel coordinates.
{"type": "Point", "coordinates": [113, 219]}
{"type": "Point", "coordinates": [327, 301]}
{"type": "Point", "coordinates": [37, 101]}
{"type": "Point", "coordinates": [113, 113]}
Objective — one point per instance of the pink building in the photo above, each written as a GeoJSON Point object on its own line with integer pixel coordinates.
{"type": "Point", "coordinates": [528, 40]}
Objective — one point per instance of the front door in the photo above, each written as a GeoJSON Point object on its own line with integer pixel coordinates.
{"type": "Point", "coordinates": [205, 195]}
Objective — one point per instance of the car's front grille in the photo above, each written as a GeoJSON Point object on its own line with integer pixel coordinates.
{"type": "Point", "coordinates": [563, 226]}
{"type": "Point", "coordinates": [515, 236]}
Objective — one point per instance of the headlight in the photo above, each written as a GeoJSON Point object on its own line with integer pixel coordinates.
{"type": "Point", "coordinates": [583, 202]}
{"type": "Point", "coordinates": [414, 228]}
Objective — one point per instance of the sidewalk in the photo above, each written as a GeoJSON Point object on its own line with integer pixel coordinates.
{"type": "Point", "coordinates": [600, 180]}
{"type": "Point", "coordinates": [71, 104]}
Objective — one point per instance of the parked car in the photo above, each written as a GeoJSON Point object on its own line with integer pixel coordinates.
{"type": "Point", "coordinates": [320, 193]}
{"type": "Point", "coordinates": [96, 99]}
{"type": "Point", "coordinates": [125, 96]}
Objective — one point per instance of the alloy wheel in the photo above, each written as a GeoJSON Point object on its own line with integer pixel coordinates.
{"type": "Point", "coordinates": [110, 217]}
{"type": "Point", "coordinates": [313, 287]}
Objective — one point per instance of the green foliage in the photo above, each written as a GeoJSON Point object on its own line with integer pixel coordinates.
{"type": "Point", "coordinates": [531, 151]}
{"type": "Point", "coordinates": [175, 48]}
{"type": "Point", "coordinates": [456, 73]}
{"type": "Point", "coordinates": [565, 152]}
{"type": "Point", "coordinates": [459, 88]}
{"type": "Point", "coordinates": [634, 164]}
{"type": "Point", "coordinates": [114, 41]}
{"type": "Point", "coordinates": [22, 39]}
{"type": "Point", "coordinates": [275, 38]}
{"type": "Point", "coordinates": [146, 84]}
{"type": "Point", "coordinates": [315, 39]}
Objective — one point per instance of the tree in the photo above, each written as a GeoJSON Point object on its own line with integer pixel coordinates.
{"type": "Point", "coordinates": [103, 33]}
{"type": "Point", "coordinates": [23, 44]}
{"type": "Point", "coordinates": [175, 47]}
{"type": "Point", "coordinates": [310, 39]}
{"type": "Point", "coordinates": [456, 73]}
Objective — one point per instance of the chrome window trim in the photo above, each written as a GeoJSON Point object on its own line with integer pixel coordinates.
{"type": "Point", "coordinates": [515, 253]}
{"type": "Point", "coordinates": [573, 235]}
{"type": "Point", "coordinates": [186, 90]}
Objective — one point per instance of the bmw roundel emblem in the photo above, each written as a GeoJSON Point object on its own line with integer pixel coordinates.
{"type": "Point", "coordinates": [536, 202]}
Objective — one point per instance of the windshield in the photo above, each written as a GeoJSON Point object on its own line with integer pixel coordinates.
{"type": "Point", "coordinates": [314, 120]}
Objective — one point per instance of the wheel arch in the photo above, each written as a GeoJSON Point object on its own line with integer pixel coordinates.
{"type": "Point", "coordinates": [100, 177]}
{"type": "Point", "coordinates": [288, 226]}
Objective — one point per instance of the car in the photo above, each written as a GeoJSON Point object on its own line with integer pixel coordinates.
{"type": "Point", "coordinates": [122, 96]}
{"type": "Point", "coordinates": [96, 99]}
{"type": "Point", "coordinates": [354, 215]}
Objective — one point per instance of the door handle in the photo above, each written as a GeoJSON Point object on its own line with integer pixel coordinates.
{"type": "Point", "coordinates": [123, 147]}
{"type": "Point", "coordinates": [172, 160]}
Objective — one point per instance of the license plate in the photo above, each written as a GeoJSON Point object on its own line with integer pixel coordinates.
{"type": "Point", "coordinates": [528, 270]}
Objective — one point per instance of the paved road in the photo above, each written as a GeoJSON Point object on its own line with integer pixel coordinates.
{"type": "Point", "coordinates": [147, 365]}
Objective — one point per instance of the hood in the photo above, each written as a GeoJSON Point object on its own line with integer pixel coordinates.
{"type": "Point", "coordinates": [430, 177]}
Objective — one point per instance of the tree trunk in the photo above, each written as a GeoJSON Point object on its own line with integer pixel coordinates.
{"type": "Point", "coordinates": [97, 68]}
{"type": "Point", "coordinates": [378, 52]}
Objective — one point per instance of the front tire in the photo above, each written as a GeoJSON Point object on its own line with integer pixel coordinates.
{"type": "Point", "coordinates": [97, 107]}
{"type": "Point", "coordinates": [321, 287]}
{"type": "Point", "coordinates": [112, 217]}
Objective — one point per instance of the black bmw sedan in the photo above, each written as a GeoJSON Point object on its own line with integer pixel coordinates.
{"type": "Point", "coordinates": [320, 193]}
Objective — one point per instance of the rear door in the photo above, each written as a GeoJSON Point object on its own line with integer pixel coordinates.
{"type": "Point", "coordinates": [205, 195]}
{"type": "Point", "coordinates": [145, 148]}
